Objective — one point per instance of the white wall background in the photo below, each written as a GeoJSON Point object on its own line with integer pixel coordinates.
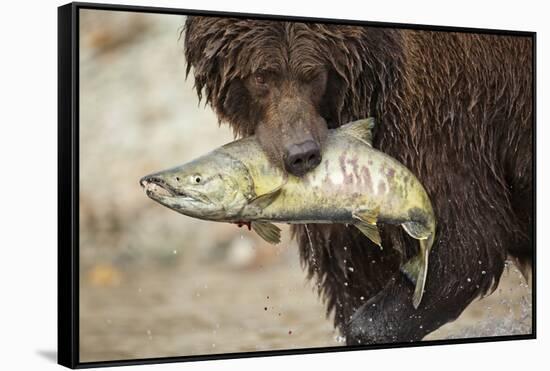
{"type": "Point", "coordinates": [28, 181]}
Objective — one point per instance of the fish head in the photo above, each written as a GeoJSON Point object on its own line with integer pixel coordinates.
{"type": "Point", "coordinates": [213, 187]}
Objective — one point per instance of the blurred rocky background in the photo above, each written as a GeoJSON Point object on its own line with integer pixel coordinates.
{"type": "Point", "coordinates": [154, 283]}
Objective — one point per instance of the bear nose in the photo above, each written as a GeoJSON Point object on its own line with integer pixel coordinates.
{"type": "Point", "coordinates": [302, 157]}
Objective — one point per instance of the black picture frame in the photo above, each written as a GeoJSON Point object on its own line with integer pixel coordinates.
{"type": "Point", "coordinates": [68, 185]}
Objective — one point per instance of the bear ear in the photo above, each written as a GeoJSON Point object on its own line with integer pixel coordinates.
{"type": "Point", "coordinates": [202, 43]}
{"type": "Point", "coordinates": [211, 47]}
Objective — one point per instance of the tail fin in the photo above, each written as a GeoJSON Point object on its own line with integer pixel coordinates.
{"type": "Point", "coordinates": [416, 270]}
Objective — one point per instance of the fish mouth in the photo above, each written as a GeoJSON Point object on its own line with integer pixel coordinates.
{"type": "Point", "coordinates": [156, 188]}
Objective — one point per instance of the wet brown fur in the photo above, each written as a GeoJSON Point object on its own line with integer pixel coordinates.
{"type": "Point", "coordinates": [453, 107]}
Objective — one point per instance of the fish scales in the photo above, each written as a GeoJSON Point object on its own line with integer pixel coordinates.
{"type": "Point", "coordinates": [345, 180]}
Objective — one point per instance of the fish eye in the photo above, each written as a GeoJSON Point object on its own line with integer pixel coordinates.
{"type": "Point", "coordinates": [197, 178]}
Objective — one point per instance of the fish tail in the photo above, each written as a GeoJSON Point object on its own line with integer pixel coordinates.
{"type": "Point", "coordinates": [416, 270]}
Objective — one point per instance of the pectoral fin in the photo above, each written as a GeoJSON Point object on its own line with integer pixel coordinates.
{"type": "Point", "coordinates": [366, 223]}
{"type": "Point", "coordinates": [268, 231]}
{"type": "Point", "coordinates": [263, 201]}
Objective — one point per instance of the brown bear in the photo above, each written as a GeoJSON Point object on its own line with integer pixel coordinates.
{"type": "Point", "coordinates": [454, 107]}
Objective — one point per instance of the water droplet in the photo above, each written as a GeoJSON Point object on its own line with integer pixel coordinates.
{"type": "Point", "coordinates": [340, 339]}
{"type": "Point", "coordinates": [370, 319]}
{"type": "Point", "coordinates": [469, 279]}
{"type": "Point", "coordinates": [483, 272]}
{"type": "Point", "coordinates": [345, 283]}
{"type": "Point", "coordinates": [350, 269]}
{"type": "Point", "coordinates": [362, 298]}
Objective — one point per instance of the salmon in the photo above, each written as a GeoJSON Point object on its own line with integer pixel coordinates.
{"type": "Point", "coordinates": [355, 184]}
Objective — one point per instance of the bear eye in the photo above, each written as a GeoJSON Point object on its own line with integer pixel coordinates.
{"type": "Point", "coordinates": [309, 77]}
{"type": "Point", "coordinates": [260, 79]}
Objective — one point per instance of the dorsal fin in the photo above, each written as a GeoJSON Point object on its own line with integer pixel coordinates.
{"type": "Point", "coordinates": [360, 129]}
